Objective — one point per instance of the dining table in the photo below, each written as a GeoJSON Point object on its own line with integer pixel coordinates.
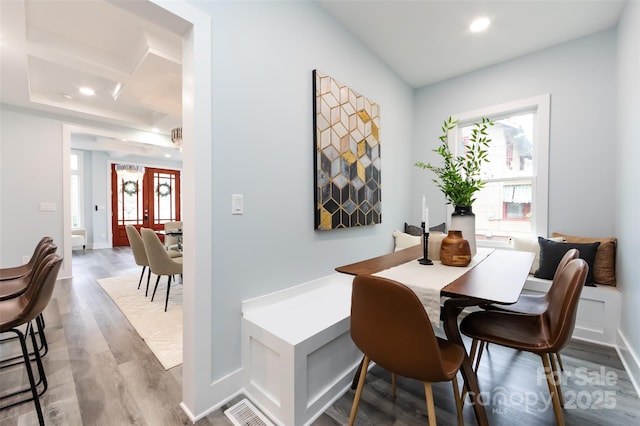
{"type": "Point", "coordinates": [494, 276]}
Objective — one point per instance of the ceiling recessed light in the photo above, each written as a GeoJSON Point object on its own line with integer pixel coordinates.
{"type": "Point", "coordinates": [479, 25]}
{"type": "Point", "coordinates": [66, 96]}
{"type": "Point", "coordinates": [87, 91]}
{"type": "Point", "coordinates": [167, 155]}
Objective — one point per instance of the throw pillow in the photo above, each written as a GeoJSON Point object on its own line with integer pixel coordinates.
{"type": "Point", "coordinates": [551, 253]}
{"type": "Point", "coordinates": [604, 267]}
{"type": "Point", "coordinates": [403, 240]}
{"type": "Point", "coordinates": [531, 244]}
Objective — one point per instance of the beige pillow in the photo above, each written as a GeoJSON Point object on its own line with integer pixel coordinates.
{"type": "Point", "coordinates": [604, 266]}
{"type": "Point", "coordinates": [403, 241]}
{"type": "Point", "coordinates": [531, 244]}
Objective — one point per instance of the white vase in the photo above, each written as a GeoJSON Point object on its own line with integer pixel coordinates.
{"type": "Point", "coordinates": [463, 219]}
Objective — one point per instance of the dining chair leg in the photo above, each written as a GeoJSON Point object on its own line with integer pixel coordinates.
{"type": "Point", "coordinates": [166, 302]}
{"type": "Point", "coordinates": [559, 361]}
{"type": "Point", "coordinates": [557, 378]}
{"type": "Point", "coordinates": [155, 288]}
{"type": "Point", "coordinates": [431, 409]}
{"type": "Point", "coordinates": [141, 275]}
{"type": "Point", "coordinates": [146, 292]}
{"type": "Point", "coordinates": [456, 395]}
{"type": "Point", "coordinates": [356, 398]}
{"type": "Point", "coordinates": [557, 409]}
{"type": "Point", "coordinates": [393, 385]}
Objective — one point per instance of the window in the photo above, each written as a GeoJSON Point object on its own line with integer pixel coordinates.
{"type": "Point", "coordinates": [514, 199]}
{"type": "Point", "coordinates": [77, 198]}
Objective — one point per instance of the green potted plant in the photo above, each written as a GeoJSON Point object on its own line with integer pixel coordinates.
{"type": "Point", "coordinates": [459, 177]}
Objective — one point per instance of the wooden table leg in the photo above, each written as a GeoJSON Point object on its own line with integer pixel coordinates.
{"type": "Point", "coordinates": [452, 308]}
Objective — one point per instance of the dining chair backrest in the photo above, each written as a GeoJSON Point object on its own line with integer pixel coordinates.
{"type": "Point", "coordinates": [38, 293]}
{"type": "Point", "coordinates": [560, 315]}
{"type": "Point", "coordinates": [159, 260]}
{"type": "Point", "coordinates": [555, 291]}
{"type": "Point", "coordinates": [390, 326]}
{"type": "Point", "coordinates": [137, 246]}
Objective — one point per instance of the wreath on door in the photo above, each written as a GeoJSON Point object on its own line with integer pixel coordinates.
{"type": "Point", "coordinates": [163, 189]}
{"type": "Point", "coordinates": [130, 187]}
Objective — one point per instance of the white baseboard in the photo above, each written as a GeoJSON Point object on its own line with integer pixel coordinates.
{"type": "Point", "coordinates": [630, 360]}
{"type": "Point", "coordinates": [222, 391]}
{"type": "Point", "coordinates": [96, 246]}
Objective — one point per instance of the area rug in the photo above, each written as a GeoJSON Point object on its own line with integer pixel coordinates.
{"type": "Point", "coordinates": [161, 331]}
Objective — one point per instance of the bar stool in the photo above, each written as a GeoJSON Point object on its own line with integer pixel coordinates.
{"type": "Point", "coordinates": [22, 270]}
{"type": "Point", "coordinates": [12, 288]}
{"type": "Point", "coordinates": [23, 310]}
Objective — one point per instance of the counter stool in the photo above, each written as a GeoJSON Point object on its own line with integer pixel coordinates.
{"type": "Point", "coordinates": [23, 310]}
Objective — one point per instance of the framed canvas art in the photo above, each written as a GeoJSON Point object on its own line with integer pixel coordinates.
{"type": "Point", "coordinates": [347, 156]}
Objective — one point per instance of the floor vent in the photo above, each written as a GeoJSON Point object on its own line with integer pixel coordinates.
{"type": "Point", "coordinates": [244, 413]}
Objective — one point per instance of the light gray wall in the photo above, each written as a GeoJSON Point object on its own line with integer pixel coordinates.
{"type": "Point", "coordinates": [627, 196]}
{"type": "Point", "coordinates": [30, 173]}
{"type": "Point", "coordinates": [580, 76]}
{"type": "Point", "coordinates": [262, 124]}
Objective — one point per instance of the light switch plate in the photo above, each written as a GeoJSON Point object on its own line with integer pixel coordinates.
{"type": "Point", "coordinates": [237, 204]}
{"type": "Point", "coordinates": [47, 206]}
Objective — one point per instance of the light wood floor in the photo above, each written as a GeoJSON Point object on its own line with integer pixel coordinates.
{"type": "Point", "coordinates": [100, 372]}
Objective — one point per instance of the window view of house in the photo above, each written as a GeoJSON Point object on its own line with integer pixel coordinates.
{"type": "Point", "coordinates": [503, 208]}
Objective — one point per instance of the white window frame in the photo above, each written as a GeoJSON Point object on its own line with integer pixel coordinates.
{"type": "Point", "coordinates": [80, 174]}
{"type": "Point", "coordinates": [541, 105]}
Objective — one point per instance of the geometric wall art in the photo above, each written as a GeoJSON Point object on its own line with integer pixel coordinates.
{"type": "Point", "coordinates": [347, 156]}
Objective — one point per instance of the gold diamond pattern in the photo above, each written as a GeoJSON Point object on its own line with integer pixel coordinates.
{"type": "Point", "coordinates": [347, 159]}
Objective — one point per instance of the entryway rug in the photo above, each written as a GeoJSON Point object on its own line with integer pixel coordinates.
{"type": "Point", "coordinates": [161, 331]}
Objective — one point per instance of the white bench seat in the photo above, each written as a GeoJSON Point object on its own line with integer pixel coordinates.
{"type": "Point", "coordinates": [297, 352]}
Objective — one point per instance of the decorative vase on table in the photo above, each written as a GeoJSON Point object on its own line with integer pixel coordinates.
{"type": "Point", "coordinates": [454, 250]}
{"type": "Point", "coordinates": [464, 220]}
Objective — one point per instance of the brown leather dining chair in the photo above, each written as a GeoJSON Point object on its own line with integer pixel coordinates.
{"type": "Point", "coordinates": [390, 326]}
{"type": "Point", "coordinates": [542, 334]}
{"type": "Point", "coordinates": [22, 310]}
{"type": "Point", "coordinates": [22, 270]}
{"type": "Point", "coordinates": [530, 304]}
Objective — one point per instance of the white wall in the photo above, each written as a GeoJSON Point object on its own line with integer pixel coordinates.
{"type": "Point", "coordinates": [627, 195]}
{"type": "Point", "coordinates": [263, 57]}
{"type": "Point", "coordinates": [580, 76]}
{"type": "Point", "coordinates": [30, 173]}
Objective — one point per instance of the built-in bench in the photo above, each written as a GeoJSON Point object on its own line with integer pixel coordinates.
{"type": "Point", "coordinates": [598, 315]}
{"type": "Point", "coordinates": [297, 353]}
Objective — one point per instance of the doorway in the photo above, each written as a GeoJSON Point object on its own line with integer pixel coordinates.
{"type": "Point", "coordinates": [143, 197]}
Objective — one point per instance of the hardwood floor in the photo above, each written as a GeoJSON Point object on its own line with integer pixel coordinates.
{"type": "Point", "coordinates": [100, 372]}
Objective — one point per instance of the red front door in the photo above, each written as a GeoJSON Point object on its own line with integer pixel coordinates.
{"type": "Point", "coordinates": [147, 199]}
